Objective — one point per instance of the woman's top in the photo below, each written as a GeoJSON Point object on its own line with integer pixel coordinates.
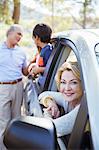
{"type": "Point", "coordinates": [64, 124]}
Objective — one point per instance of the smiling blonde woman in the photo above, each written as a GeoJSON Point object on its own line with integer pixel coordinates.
{"type": "Point", "coordinates": [69, 97]}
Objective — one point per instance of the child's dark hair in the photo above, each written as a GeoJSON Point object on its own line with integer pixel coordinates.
{"type": "Point", "coordinates": [43, 31]}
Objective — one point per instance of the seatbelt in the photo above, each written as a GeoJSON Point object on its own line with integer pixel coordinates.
{"type": "Point", "coordinates": [79, 126]}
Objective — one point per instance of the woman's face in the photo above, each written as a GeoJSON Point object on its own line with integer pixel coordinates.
{"type": "Point", "coordinates": [70, 86]}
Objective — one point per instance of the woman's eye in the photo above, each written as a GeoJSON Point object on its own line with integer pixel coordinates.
{"type": "Point", "coordinates": [74, 82]}
{"type": "Point", "coordinates": [62, 82]}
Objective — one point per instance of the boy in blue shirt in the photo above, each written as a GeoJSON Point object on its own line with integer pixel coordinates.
{"type": "Point", "coordinates": [41, 36]}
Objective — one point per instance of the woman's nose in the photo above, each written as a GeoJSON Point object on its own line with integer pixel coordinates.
{"type": "Point", "coordinates": [67, 87]}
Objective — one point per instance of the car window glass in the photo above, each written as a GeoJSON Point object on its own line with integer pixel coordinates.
{"type": "Point", "coordinates": [72, 57]}
{"type": "Point", "coordinates": [97, 52]}
{"type": "Point", "coordinates": [65, 51]}
{"type": "Point", "coordinates": [67, 55]}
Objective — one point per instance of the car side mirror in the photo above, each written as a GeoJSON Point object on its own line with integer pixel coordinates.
{"type": "Point", "coordinates": [31, 133]}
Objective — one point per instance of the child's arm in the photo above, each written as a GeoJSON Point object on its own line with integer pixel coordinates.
{"type": "Point", "coordinates": [36, 70]}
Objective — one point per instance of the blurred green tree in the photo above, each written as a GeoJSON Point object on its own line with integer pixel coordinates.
{"type": "Point", "coordinates": [86, 11]}
{"type": "Point", "coordinates": [16, 11]}
{"type": "Point", "coordinates": [8, 16]}
{"type": "Point", "coordinates": [4, 11]}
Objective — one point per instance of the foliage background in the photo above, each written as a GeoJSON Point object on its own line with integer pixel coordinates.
{"type": "Point", "coordinates": [59, 14]}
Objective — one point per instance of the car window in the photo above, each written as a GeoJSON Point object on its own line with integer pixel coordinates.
{"type": "Point", "coordinates": [72, 57]}
{"type": "Point", "coordinates": [67, 55]}
{"type": "Point", "coordinates": [97, 52]}
{"type": "Point", "coordinates": [61, 59]}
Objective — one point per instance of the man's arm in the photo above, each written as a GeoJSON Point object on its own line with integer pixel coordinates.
{"type": "Point", "coordinates": [25, 71]}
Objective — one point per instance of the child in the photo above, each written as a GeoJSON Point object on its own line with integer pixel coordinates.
{"type": "Point", "coordinates": [41, 36]}
{"type": "Point", "coordinates": [36, 57]}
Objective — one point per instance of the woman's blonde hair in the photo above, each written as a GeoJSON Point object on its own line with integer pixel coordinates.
{"type": "Point", "coordinates": [70, 66]}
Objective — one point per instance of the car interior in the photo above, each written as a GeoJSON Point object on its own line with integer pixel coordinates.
{"type": "Point", "coordinates": [64, 50]}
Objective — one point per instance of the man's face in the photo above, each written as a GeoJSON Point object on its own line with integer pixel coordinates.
{"type": "Point", "coordinates": [15, 36]}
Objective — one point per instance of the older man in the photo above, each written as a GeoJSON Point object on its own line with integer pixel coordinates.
{"type": "Point", "coordinates": [12, 67]}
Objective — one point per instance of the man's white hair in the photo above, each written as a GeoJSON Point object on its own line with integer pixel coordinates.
{"type": "Point", "coordinates": [14, 27]}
